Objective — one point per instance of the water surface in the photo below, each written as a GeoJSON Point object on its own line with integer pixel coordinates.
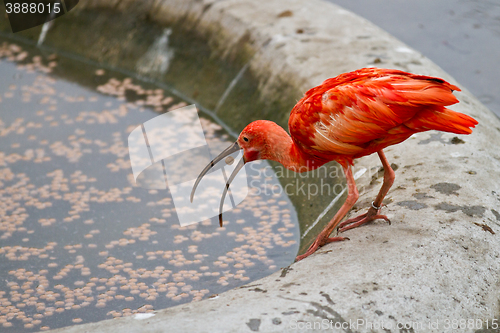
{"type": "Point", "coordinates": [80, 242]}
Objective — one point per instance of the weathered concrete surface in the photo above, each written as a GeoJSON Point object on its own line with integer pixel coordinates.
{"type": "Point", "coordinates": [440, 258]}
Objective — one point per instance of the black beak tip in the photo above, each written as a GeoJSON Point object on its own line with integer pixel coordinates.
{"type": "Point", "coordinates": [220, 220]}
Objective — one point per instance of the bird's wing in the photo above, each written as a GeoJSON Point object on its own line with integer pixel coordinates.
{"type": "Point", "coordinates": [346, 114]}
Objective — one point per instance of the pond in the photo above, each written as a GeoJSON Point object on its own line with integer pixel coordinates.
{"type": "Point", "coordinates": [80, 241]}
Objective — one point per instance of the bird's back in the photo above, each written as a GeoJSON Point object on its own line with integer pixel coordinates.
{"type": "Point", "coordinates": [361, 112]}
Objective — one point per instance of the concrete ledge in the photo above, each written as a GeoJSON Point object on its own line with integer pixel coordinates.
{"type": "Point", "coordinates": [440, 258]}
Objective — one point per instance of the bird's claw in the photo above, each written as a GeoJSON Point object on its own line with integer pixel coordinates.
{"type": "Point", "coordinates": [319, 242]}
{"type": "Point", "coordinates": [369, 216]}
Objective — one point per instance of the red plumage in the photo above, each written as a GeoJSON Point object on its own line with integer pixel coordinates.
{"type": "Point", "coordinates": [361, 112]}
{"type": "Point", "coordinates": [352, 115]}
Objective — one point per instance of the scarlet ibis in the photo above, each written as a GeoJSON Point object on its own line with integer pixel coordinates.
{"type": "Point", "coordinates": [352, 115]}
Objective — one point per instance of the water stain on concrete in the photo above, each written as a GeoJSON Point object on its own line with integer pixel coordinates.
{"type": "Point", "coordinates": [258, 290]}
{"type": "Point", "coordinates": [285, 270]}
{"type": "Point", "coordinates": [412, 204]}
{"type": "Point", "coordinates": [327, 297]}
{"type": "Point", "coordinates": [433, 137]}
{"type": "Point", "coordinates": [438, 137]}
{"type": "Point", "coordinates": [497, 214]}
{"type": "Point", "coordinates": [286, 285]}
{"type": "Point", "coordinates": [254, 324]}
{"type": "Point", "coordinates": [473, 210]}
{"type": "Point", "coordinates": [421, 196]}
{"type": "Point", "coordinates": [324, 312]}
{"type": "Point", "coordinates": [467, 210]}
{"type": "Point", "coordinates": [412, 165]}
{"type": "Point", "coordinates": [447, 207]}
{"type": "Point", "coordinates": [446, 188]}
{"type": "Point", "coordinates": [287, 313]}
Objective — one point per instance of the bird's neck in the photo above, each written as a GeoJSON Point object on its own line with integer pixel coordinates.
{"type": "Point", "coordinates": [285, 151]}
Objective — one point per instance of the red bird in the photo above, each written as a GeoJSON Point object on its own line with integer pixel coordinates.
{"type": "Point", "coordinates": [347, 117]}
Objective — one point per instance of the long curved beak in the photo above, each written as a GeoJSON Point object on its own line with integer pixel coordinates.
{"type": "Point", "coordinates": [228, 151]}
{"type": "Point", "coordinates": [237, 168]}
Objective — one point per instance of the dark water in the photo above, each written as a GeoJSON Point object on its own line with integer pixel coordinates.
{"type": "Point", "coordinates": [461, 36]}
{"type": "Point", "coordinates": [79, 241]}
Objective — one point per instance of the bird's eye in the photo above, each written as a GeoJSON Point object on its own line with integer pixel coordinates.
{"type": "Point", "coordinates": [245, 138]}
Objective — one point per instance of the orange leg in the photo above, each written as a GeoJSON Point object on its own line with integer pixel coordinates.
{"type": "Point", "coordinates": [324, 237]}
{"type": "Point", "coordinates": [374, 211]}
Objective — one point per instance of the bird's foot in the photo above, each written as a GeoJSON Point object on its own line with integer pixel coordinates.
{"type": "Point", "coordinates": [372, 214]}
{"type": "Point", "coordinates": [319, 242]}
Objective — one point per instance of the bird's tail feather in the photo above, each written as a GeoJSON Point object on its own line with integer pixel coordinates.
{"type": "Point", "coordinates": [442, 119]}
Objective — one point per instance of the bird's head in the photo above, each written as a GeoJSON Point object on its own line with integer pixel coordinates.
{"type": "Point", "coordinates": [259, 140]}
